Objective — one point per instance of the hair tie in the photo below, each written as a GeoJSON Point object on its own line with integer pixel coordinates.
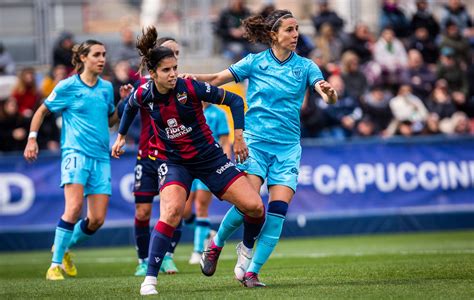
{"type": "Point", "coordinates": [278, 20]}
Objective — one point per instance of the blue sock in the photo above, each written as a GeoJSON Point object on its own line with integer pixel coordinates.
{"type": "Point", "coordinates": [231, 222]}
{"type": "Point", "coordinates": [270, 234]}
{"type": "Point", "coordinates": [81, 232]}
{"type": "Point", "coordinates": [160, 241]}
{"type": "Point", "coordinates": [61, 240]}
{"type": "Point", "coordinates": [175, 239]}
{"type": "Point", "coordinates": [142, 237]}
{"type": "Point", "coordinates": [203, 227]}
{"type": "Point", "coordinates": [252, 228]}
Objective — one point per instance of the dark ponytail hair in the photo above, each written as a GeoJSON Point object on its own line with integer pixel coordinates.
{"type": "Point", "coordinates": [258, 28]}
{"type": "Point", "coordinates": [82, 49]}
{"type": "Point", "coordinates": [149, 49]}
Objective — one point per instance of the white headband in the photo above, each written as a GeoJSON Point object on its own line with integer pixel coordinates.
{"type": "Point", "coordinates": [279, 19]}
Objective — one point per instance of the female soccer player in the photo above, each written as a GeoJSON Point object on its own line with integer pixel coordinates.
{"type": "Point", "coordinates": [278, 78]}
{"type": "Point", "coordinates": [85, 165]}
{"type": "Point", "coordinates": [200, 195]}
{"type": "Point", "coordinates": [185, 147]}
{"type": "Point", "coordinates": [146, 186]}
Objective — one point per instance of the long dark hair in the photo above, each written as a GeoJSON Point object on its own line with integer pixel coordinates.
{"type": "Point", "coordinates": [258, 28]}
{"type": "Point", "coordinates": [149, 49]}
{"type": "Point", "coordinates": [82, 49]}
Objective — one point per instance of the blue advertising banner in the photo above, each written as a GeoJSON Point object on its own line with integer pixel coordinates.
{"type": "Point", "coordinates": [335, 179]}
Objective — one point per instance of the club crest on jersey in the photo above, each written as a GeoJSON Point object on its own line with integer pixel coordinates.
{"type": "Point", "coordinates": [182, 97]}
{"type": "Point", "coordinates": [298, 72]}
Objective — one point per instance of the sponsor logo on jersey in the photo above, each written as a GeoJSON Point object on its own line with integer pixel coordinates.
{"type": "Point", "coordinates": [175, 130]}
{"type": "Point", "coordinates": [182, 97]}
{"type": "Point", "coordinates": [224, 167]}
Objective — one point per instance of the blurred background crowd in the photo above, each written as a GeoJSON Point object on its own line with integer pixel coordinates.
{"type": "Point", "coordinates": [408, 71]}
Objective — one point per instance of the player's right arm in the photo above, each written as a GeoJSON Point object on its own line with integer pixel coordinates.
{"type": "Point", "coordinates": [31, 149]}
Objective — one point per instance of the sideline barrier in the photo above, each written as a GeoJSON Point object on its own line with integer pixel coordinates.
{"type": "Point", "coordinates": [363, 186]}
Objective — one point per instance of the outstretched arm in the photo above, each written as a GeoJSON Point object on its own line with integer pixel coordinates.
{"type": "Point", "coordinates": [215, 79]}
{"type": "Point", "coordinates": [327, 92]}
{"type": "Point", "coordinates": [31, 149]}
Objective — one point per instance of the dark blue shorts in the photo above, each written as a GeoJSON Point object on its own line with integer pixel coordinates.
{"type": "Point", "coordinates": [146, 178]}
{"type": "Point", "coordinates": [214, 169]}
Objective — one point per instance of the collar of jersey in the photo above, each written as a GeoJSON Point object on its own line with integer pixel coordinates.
{"type": "Point", "coordinates": [279, 61]}
{"type": "Point", "coordinates": [91, 87]}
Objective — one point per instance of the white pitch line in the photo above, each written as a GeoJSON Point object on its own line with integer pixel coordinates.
{"type": "Point", "coordinates": [110, 260]}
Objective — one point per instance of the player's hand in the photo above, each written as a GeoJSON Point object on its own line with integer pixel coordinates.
{"type": "Point", "coordinates": [187, 76]}
{"type": "Point", "coordinates": [240, 149]}
{"type": "Point", "coordinates": [31, 150]}
{"type": "Point", "coordinates": [327, 89]}
{"type": "Point", "coordinates": [125, 90]}
{"type": "Point", "coordinates": [117, 147]}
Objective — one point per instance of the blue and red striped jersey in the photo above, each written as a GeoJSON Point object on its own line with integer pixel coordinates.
{"type": "Point", "coordinates": [179, 127]}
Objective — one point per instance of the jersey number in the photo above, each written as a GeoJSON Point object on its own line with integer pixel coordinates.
{"type": "Point", "coordinates": [69, 162]}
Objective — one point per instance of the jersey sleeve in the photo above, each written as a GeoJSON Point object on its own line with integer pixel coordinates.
{"type": "Point", "coordinates": [58, 100]}
{"type": "Point", "coordinates": [208, 93]}
{"type": "Point", "coordinates": [314, 74]}
{"type": "Point", "coordinates": [243, 68]}
{"type": "Point", "coordinates": [110, 99]}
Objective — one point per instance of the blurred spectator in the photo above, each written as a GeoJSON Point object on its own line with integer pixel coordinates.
{"type": "Point", "coordinates": [453, 39]}
{"type": "Point", "coordinates": [449, 69]}
{"type": "Point", "coordinates": [62, 51]}
{"type": "Point", "coordinates": [312, 117]}
{"type": "Point", "coordinates": [121, 76]}
{"type": "Point", "coordinates": [361, 41]}
{"type": "Point", "coordinates": [392, 16]}
{"type": "Point", "coordinates": [14, 126]}
{"type": "Point", "coordinates": [408, 111]}
{"type": "Point", "coordinates": [391, 56]}
{"type": "Point", "coordinates": [365, 127]}
{"type": "Point", "coordinates": [329, 44]}
{"type": "Point", "coordinates": [422, 42]}
{"type": "Point", "coordinates": [7, 64]}
{"type": "Point", "coordinates": [440, 103]}
{"type": "Point", "coordinates": [127, 49]}
{"type": "Point", "coordinates": [458, 124]}
{"type": "Point", "coordinates": [424, 18]}
{"type": "Point", "coordinates": [57, 74]}
{"type": "Point", "coordinates": [455, 12]}
{"type": "Point", "coordinates": [354, 79]}
{"type": "Point", "coordinates": [317, 57]}
{"type": "Point", "coordinates": [304, 46]}
{"type": "Point", "coordinates": [343, 115]}
{"type": "Point", "coordinates": [26, 93]}
{"type": "Point", "coordinates": [376, 106]}
{"type": "Point", "coordinates": [229, 29]}
{"type": "Point", "coordinates": [326, 15]}
{"type": "Point", "coordinates": [419, 76]}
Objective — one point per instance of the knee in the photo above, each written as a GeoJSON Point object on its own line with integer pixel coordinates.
{"type": "Point", "coordinates": [171, 217]}
{"type": "Point", "coordinates": [142, 213]}
{"type": "Point", "coordinates": [255, 209]}
{"type": "Point", "coordinates": [96, 223]}
{"type": "Point", "coordinates": [73, 213]}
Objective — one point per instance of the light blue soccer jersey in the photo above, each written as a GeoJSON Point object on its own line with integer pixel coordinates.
{"type": "Point", "coordinates": [275, 94]}
{"type": "Point", "coordinates": [85, 111]}
{"type": "Point", "coordinates": [217, 121]}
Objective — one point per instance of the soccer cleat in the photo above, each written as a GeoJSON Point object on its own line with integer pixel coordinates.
{"type": "Point", "coordinates": [68, 265]}
{"type": "Point", "coordinates": [141, 269]}
{"type": "Point", "coordinates": [244, 257]}
{"type": "Point", "coordinates": [55, 273]}
{"type": "Point", "coordinates": [195, 258]}
{"type": "Point", "coordinates": [168, 266]}
{"type": "Point", "coordinates": [148, 289]}
{"type": "Point", "coordinates": [209, 259]}
{"type": "Point", "coordinates": [251, 281]}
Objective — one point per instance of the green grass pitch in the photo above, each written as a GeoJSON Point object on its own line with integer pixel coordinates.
{"type": "Point", "coordinates": [398, 266]}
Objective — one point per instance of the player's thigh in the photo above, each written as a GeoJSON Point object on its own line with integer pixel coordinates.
{"type": "Point", "coordinates": [257, 162]}
{"type": "Point", "coordinates": [203, 200]}
{"type": "Point", "coordinates": [74, 168]}
{"type": "Point", "coordinates": [172, 203]}
{"type": "Point", "coordinates": [243, 195]}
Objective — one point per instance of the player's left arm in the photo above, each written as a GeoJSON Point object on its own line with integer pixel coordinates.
{"type": "Point", "coordinates": [124, 91]}
{"type": "Point", "coordinates": [316, 80]}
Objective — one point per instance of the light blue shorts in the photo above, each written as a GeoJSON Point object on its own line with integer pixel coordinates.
{"type": "Point", "coordinates": [199, 185]}
{"type": "Point", "coordinates": [93, 174]}
{"type": "Point", "coordinates": [278, 163]}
